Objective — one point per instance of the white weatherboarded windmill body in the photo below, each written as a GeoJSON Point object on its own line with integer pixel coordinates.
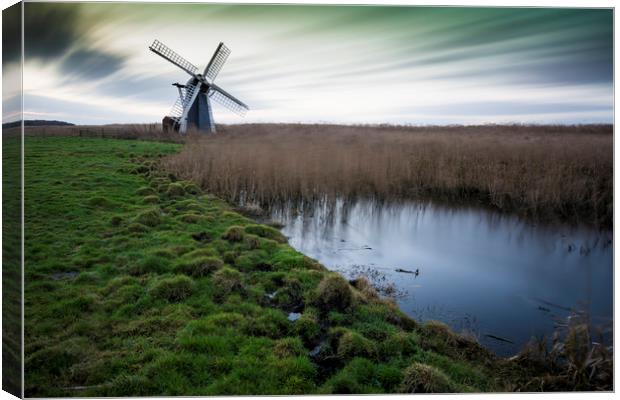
{"type": "Point", "coordinates": [193, 107]}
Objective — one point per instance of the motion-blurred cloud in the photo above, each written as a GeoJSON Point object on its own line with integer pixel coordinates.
{"type": "Point", "coordinates": [90, 63]}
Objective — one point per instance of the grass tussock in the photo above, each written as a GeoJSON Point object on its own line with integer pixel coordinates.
{"type": "Point", "coordinates": [352, 344]}
{"type": "Point", "coordinates": [173, 289]}
{"type": "Point", "coordinates": [199, 266]}
{"type": "Point", "coordinates": [421, 378]}
{"type": "Point", "coordinates": [175, 190]}
{"type": "Point", "coordinates": [233, 234]}
{"type": "Point", "coordinates": [100, 201]}
{"type": "Point", "coordinates": [266, 232]}
{"type": "Point", "coordinates": [145, 191]}
{"type": "Point", "coordinates": [562, 172]}
{"type": "Point", "coordinates": [227, 281]}
{"type": "Point", "coordinates": [333, 293]}
{"type": "Point", "coordinates": [149, 217]}
{"type": "Point", "coordinates": [151, 199]}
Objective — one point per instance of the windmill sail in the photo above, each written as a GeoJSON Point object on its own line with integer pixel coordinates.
{"type": "Point", "coordinates": [166, 52]}
{"type": "Point", "coordinates": [184, 101]}
{"type": "Point", "coordinates": [227, 100]}
{"type": "Point", "coordinates": [217, 61]}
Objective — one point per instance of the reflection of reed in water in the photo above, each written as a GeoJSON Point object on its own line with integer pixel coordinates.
{"type": "Point", "coordinates": [329, 216]}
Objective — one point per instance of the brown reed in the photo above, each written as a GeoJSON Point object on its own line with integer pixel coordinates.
{"type": "Point", "coordinates": [563, 172]}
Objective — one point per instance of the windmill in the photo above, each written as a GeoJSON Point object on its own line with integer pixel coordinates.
{"type": "Point", "coordinates": [193, 107]}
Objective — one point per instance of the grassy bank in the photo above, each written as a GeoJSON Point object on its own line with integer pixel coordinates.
{"type": "Point", "coordinates": [140, 284]}
{"type": "Point", "coordinates": [544, 172]}
{"type": "Point", "coordinates": [11, 266]}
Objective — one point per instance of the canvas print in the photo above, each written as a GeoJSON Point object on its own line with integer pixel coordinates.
{"type": "Point", "coordinates": [229, 199]}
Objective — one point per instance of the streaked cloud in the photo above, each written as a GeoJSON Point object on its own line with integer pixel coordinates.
{"type": "Point", "coordinates": [343, 64]}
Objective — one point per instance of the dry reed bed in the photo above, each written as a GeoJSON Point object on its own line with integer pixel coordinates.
{"type": "Point", "coordinates": [542, 171]}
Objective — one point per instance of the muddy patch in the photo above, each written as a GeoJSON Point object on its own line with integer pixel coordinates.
{"type": "Point", "coordinates": [378, 279]}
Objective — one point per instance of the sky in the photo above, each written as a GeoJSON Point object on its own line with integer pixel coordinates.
{"type": "Point", "coordinates": [90, 63]}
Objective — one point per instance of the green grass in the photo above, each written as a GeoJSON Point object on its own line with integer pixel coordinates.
{"type": "Point", "coordinates": [160, 303]}
{"type": "Point", "coordinates": [11, 265]}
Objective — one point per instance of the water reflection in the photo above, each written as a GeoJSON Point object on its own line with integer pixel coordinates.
{"type": "Point", "coordinates": [487, 273]}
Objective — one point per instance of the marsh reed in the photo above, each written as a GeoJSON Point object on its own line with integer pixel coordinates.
{"type": "Point", "coordinates": [548, 172]}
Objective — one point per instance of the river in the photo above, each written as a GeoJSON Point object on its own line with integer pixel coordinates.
{"type": "Point", "coordinates": [498, 277]}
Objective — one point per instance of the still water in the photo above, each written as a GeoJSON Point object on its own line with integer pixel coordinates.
{"type": "Point", "coordinates": [490, 274]}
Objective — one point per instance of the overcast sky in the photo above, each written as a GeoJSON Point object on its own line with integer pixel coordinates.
{"type": "Point", "coordinates": [90, 63]}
